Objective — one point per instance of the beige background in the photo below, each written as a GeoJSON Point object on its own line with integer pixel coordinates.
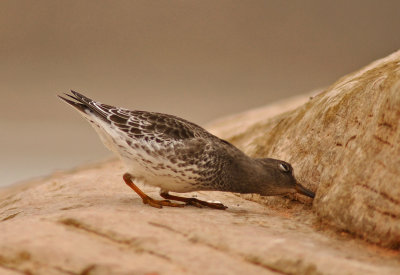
{"type": "Point", "coordinates": [196, 59]}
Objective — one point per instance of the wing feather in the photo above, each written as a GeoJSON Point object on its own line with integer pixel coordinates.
{"type": "Point", "coordinates": [152, 126]}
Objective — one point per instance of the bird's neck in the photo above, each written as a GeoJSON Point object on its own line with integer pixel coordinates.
{"type": "Point", "coordinates": [245, 176]}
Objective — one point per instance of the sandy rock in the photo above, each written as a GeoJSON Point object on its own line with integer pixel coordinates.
{"type": "Point", "coordinates": [89, 222]}
{"type": "Point", "coordinates": [344, 143]}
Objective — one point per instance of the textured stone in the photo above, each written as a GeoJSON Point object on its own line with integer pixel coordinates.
{"type": "Point", "coordinates": [89, 222]}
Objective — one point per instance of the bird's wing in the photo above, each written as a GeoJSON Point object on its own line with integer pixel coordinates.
{"type": "Point", "coordinates": [155, 126]}
{"type": "Point", "coordinates": [149, 126]}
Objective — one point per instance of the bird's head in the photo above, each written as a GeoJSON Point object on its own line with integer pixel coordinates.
{"type": "Point", "coordinates": [277, 178]}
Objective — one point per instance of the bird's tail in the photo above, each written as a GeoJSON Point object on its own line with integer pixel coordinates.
{"type": "Point", "coordinates": [85, 104]}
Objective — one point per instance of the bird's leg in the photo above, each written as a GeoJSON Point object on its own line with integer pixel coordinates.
{"type": "Point", "coordinates": [193, 201]}
{"type": "Point", "coordinates": [146, 199]}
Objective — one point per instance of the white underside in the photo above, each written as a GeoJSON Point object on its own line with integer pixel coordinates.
{"type": "Point", "coordinates": [142, 171]}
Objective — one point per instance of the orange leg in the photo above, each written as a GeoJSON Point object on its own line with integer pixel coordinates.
{"type": "Point", "coordinates": [193, 201]}
{"type": "Point", "coordinates": [146, 199]}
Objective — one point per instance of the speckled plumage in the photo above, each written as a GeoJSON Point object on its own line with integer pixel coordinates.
{"type": "Point", "coordinates": [179, 156]}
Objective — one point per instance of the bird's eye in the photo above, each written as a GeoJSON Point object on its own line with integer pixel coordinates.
{"type": "Point", "coordinates": [284, 167]}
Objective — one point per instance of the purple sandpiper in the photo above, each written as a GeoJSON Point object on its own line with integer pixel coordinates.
{"type": "Point", "coordinates": [179, 156]}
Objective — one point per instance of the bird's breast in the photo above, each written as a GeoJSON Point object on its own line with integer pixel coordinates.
{"type": "Point", "coordinates": [161, 170]}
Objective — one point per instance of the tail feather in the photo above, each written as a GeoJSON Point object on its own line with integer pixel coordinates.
{"type": "Point", "coordinates": [85, 104]}
{"type": "Point", "coordinates": [81, 107]}
{"type": "Point", "coordinates": [81, 98]}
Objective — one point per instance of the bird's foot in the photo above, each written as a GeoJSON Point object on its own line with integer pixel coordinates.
{"type": "Point", "coordinates": [146, 199]}
{"type": "Point", "coordinates": [160, 203]}
{"type": "Point", "coordinates": [201, 204]}
{"type": "Point", "coordinates": [193, 201]}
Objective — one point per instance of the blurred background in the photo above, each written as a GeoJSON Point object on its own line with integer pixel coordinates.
{"type": "Point", "coordinates": [196, 59]}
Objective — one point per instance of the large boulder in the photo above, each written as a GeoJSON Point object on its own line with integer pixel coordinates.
{"type": "Point", "coordinates": [345, 144]}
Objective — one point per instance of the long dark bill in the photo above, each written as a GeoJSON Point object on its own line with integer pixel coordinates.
{"type": "Point", "coordinates": [302, 190]}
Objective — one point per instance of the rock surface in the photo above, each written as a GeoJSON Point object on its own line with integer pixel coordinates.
{"type": "Point", "coordinates": [343, 143]}
{"type": "Point", "coordinates": [89, 222]}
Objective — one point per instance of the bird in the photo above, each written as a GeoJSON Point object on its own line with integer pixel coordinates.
{"type": "Point", "coordinates": [179, 156]}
